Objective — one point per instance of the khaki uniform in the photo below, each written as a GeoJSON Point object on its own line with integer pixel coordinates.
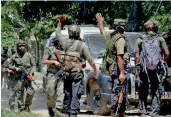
{"type": "Point", "coordinates": [115, 44]}
{"type": "Point", "coordinates": [120, 47]}
{"type": "Point", "coordinates": [156, 89]}
{"type": "Point", "coordinates": [55, 88]}
{"type": "Point", "coordinates": [73, 83]}
{"type": "Point", "coordinates": [17, 86]}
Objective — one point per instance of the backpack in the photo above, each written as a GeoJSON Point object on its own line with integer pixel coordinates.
{"type": "Point", "coordinates": [72, 61]}
{"type": "Point", "coordinates": [150, 55]}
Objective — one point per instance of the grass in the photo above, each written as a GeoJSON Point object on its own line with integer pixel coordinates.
{"type": "Point", "coordinates": [6, 113]}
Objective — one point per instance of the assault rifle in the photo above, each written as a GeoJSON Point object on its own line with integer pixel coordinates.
{"type": "Point", "coordinates": [25, 76]}
{"type": "Point", "coordinates": [121, 90]}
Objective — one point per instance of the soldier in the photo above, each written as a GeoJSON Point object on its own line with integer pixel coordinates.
{"type": "Point", "coordinates": [116, 47]}
{"type": "Point", "coordinates": [8, 71]}
{"type": "Point", "coordinates": [167, 37]}
{"type": "Point", "coordinates": [75, 50]}
{"type": "Point", "coordinates": [54, 84]}
{"type": "Point", "coordinates": [19, 61]}
{"type": "Point", "coordinates": [4, 57]}
{"type": "Point", "coordinates": [147, 60]}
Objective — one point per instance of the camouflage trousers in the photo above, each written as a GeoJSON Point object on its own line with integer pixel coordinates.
{"type": "Point", "coordinates": [115, 97]}
{"type": "Point", "coordinates": [156, 92]}
{"type": "Point", "coordinates": [4, 78]}
{"type": "Point", "coordinates": [55, 91]}
{"type": "Point", "coordinates": [73, 87]}
{"type": "Point", "coordinates": [18, 89]}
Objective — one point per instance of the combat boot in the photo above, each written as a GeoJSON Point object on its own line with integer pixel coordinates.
{"type": "Point", "coordinates": [27, 108]}
{"type": "Point", "coordinates": [12, 108]}
{"type": "Point", "coordinates": [51, 112]}
{"type": "Point", "coordinates": [121, 114]}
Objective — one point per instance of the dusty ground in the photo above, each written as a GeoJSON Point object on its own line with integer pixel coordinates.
{"type": "Point", "coordinates": [39, 102]}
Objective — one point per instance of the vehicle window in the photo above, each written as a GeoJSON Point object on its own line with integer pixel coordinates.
{"type": "Point", "coordinates": [96, 44]}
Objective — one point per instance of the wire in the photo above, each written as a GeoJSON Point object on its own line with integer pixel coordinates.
{"type": "Point", "coordinates": [157, 10]}
{"type": "Point", "coordinates": [165, 21]}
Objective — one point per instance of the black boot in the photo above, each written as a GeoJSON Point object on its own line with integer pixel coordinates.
{"type": "Point", "coordinates": [27, 108]}
{"type": "Point", "coordinates": [51, 112]}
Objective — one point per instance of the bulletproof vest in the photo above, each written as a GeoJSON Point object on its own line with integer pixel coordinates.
{"type": "Point", "coordinates": [73, 60]}
{"type": "Point", "coordinates": [110, 48]}
{"type": "Point", "coordinates": [150, 52]}
{"type": "Point", "coordinates": [22, 61]}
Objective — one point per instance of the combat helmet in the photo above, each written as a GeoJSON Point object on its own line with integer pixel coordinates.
{"type": "Point", "coordinates": [118, 23]}
{"type": "Point", "coordinates": [151, 23]}
{"type": "Point", "coordinates": [20, 43]}
{"type": "Point", "coordinates": [74, 31]}
{"type": "Point", "coordinates": [5, 47]}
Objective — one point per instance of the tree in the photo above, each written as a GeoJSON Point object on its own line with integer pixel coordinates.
{"type": "Point", "coordinates": [134, 19]}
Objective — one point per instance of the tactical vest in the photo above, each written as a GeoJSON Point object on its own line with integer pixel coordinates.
{"type": "Point", "coordinates": [24, 61]}
{"type": "Point", "coordinates": [111, 55]}
{"type": "Point", "coordinates": [72, 61]}
{"type": "Point", "coordinates": [52, 56]}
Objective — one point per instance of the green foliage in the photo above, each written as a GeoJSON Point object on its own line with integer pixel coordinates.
{"type": "Point", "coordinates": [150, 11]}
{"type": "Point", "coordinates": [6, 113]}
{"type": "Point", "coordinates": [11, 15]}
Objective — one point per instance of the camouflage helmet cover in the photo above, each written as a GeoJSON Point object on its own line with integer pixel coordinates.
{"type": "Point", "coordinates": [120, 22]}
{"type": "Point", "coordinates": [74, 31]}
{"type": "Point", "coordinates": [20, 43]}
{"type": "Point", "coordinates": [151, 23]}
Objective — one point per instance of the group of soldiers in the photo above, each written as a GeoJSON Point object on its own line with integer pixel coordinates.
{"type": "Point", "coordinates": [64, 78]}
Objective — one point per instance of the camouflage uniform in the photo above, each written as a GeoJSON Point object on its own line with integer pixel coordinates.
{"type": "Point", "coordinates": [156, 89]}
{"type": "Point", "coordinates": [120, 47]}
{"type": "Point", "coordinates": [17, 86]}
{"type": "Point", "coordinates": [54, 84]}
{"type": "Point", "coordinates": [4, 57]}
{"type": "Point", "coordinates": [73, 84]}
{"type": "Point", "coordinates": [167, 37]}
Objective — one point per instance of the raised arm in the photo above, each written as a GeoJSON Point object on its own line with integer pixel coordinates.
{"type": "Point", "coordinates": [62, 39]}
{"type": "Point", "coordinates": [100, 21]}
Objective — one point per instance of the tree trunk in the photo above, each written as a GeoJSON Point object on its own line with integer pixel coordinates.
{"type": "Point", "coordinates": [135, 14]}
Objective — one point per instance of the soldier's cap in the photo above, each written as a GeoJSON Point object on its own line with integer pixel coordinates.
{"type": "Point", "coordinates": [20, 43]}
{"type": "Point", "coordinates": [152, 21]}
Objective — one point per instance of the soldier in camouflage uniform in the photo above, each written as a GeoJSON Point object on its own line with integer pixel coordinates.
{"type": "Point", "coordinates": [152, 27]}
{"type": "Point", "coordinates": [117, 48]}
{"type": "Point", "coordinates": [167, 37]}
{"type": "Point", "coordinates": [4, 56]}
{"type": "Point", "coordinates": [75, 50]}
{"type": "Point", "coordinates": [9, 72]}
{"type": "Point", "coordinates": [54, 84]}
{"type": "Point", "coordinates": [21, 59]}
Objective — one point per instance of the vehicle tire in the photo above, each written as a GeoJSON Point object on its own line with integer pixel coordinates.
{"type": "Point", "coordinates": [98, 105]}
